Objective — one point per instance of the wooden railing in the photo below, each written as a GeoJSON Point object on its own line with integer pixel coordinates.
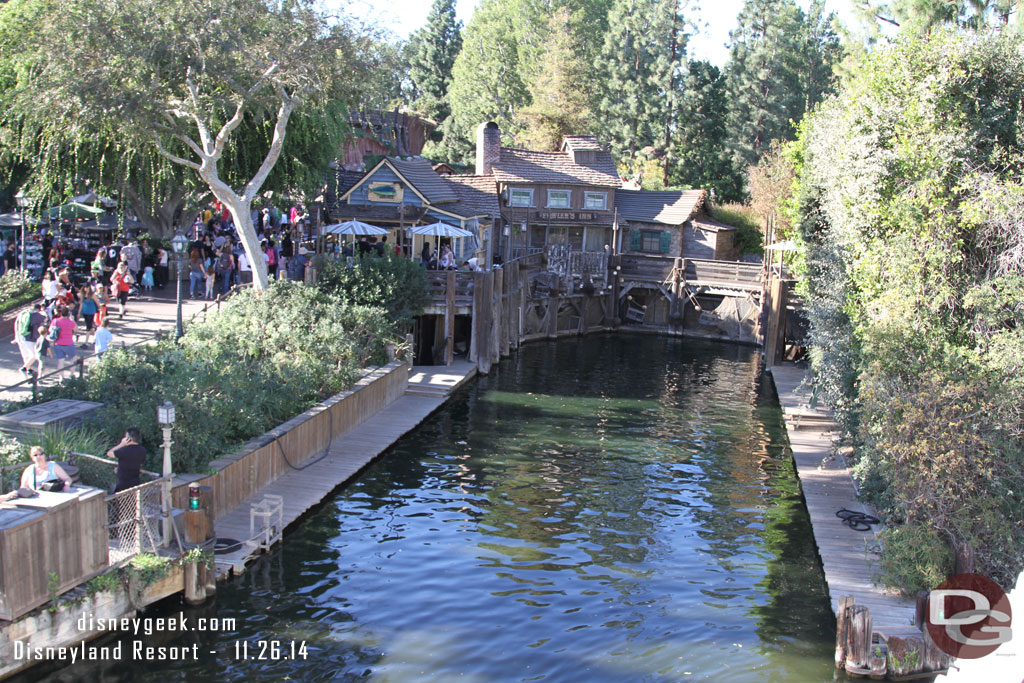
{"type": "Point", "coordinates": [722, 272]}
{"type": "Point", "coordinates": [438, 280]}
{"type": "Point", "coordinates": [646, 267]}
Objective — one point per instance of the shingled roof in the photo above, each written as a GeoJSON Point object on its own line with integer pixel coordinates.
{"type": "Point", "coordinates": [581, 143]}
{"type": "Point", "coordinates": [478, 195]}
{"type": "Point", "coordinates": [670, 207]}
{"type": "Point", "coordinates": [555, 168]}
{"type": "Point", "coordinates": [420, 172]}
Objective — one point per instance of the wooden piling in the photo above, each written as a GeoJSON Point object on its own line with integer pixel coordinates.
{"type": "Point", "coordinates": [449, 318]}
{"type": "Point", "coordinates": [554, 300]}
{"type": "Point", "coordinates": [775, 334]}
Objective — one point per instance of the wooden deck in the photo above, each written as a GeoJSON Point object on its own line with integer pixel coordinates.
{"type": "Point", "coordinates": [849, 557]}
{"type": "Point", "coordinates": [429, 387]}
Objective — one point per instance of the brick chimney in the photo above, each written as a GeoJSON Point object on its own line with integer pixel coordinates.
{"type": "Point", "coordinates": [488, 147]}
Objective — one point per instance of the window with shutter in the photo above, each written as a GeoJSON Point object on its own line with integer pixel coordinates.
{"type": "Point", "coordinates": [666, 242]}
{"type": "Point", "coordinates": [635, 240]}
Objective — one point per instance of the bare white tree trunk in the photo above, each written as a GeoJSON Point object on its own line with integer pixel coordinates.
{"type": "Point", "coordinates": [209, 150]}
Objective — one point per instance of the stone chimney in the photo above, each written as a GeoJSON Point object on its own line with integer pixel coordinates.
{"type": "Point", "coordinates": [488, 147]}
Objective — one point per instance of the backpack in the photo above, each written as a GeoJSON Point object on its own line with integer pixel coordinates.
{"type": "Point", "coordinates": [54, 333]}
{"type": "Point", "coordinates": [224, 262]}
{"type": "Point", "coordinates": [23, 326]}
{"type": "Point", "coordinates": [271, 257]}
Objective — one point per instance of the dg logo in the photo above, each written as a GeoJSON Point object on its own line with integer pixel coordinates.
{"type": "Point", "coordinates": [968, 616]}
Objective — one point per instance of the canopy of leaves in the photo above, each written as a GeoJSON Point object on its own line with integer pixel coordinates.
{"type": "Point", "coordinates": [93, 87]}
{"type": "Point", "coordinates": [435, 47]}
{"type": "Point", "coordinates": [908, 198]}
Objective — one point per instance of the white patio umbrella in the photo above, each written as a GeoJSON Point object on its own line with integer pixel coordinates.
{"type": "Point", "coordinates": [354, 228]}
{"type": "Point", "coordinates": [441, 230]}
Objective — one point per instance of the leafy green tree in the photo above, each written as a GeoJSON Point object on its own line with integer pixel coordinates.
{"type": "Point", "coordinates": [701, 156]}
{"type": "Point", "coordinates": [637, 74]}
{"type": "Point", "coordinates": [908, 200]}
{"type": "Point", "coordinates": [436, 46]}
{"type": "Point", "coordinates": [486, 82]}
{"type": "Point", "coordinates": [780, 65]}
{"type": "Point", "coordinates": [190, 81]}
{"type": "Point", "coordinates": [559, 106]}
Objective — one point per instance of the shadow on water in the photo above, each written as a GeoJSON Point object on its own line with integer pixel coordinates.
{"type": "Point", "coordinates": [608, 509]}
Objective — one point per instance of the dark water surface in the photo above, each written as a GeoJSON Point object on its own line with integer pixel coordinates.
{"type": "Point", "coordinates": [618, 508]}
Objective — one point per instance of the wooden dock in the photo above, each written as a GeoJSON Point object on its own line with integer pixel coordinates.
{"type": "Point", "coordinates": [302, 489]}
{"type": "Point", "coordinates": [850, 558]}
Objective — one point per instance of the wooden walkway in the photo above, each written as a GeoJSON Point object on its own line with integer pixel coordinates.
{"type": "Point", "coordinates": [849, 557]}
{"type": "Point", "coordinates": [302, 489]}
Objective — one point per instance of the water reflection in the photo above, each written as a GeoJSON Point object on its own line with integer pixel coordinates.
{"type": "Point", "coordinates": [617, 508]}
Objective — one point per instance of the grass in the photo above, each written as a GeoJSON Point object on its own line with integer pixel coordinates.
{"type": "Point", "coordinates": [749, 237]}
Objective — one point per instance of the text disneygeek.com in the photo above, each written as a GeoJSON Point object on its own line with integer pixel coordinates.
{"type": "Point", "coordinates": [139, 651]}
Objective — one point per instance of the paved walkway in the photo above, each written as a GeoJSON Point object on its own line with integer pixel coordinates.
{"type": "Point", "coordinates": [429, 387]}
{"type": "Point", "coordinates": [144, 317]}
{"type": "Point", "coordinates": [849, 557]}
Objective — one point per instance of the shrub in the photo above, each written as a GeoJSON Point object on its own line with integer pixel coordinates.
{"type": "Point", "coordinates": [396, 283]}
{"type": "Point", "coordinates": [262, 360]}
{"type": "Point", "coordinates": [914, 558]}
{"type": "Point", "coordinates": [749, 238]}
{"type": "Point", "coordinates": [16, 289]}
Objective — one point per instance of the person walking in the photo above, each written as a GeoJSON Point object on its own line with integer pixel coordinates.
{"type": "Point", "coordinates": [89, 308]}
{"type": "Point", "coordinates": [160, 273]}
{"type": "Point", "coordinates": [62, 334]}
{"type": "Point", "coordinates": [196, 273]}
{"type": "Point", "coordinates": [225, 266]}
{"type": "Point", "coordinates": [120, 284]}
{"type": "Point", "coordinates": [103, 338]}
{"type": "Point", "coordinates": [25, 337]}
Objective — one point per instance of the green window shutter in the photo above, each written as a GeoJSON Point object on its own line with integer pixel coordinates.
{"type": "Point", "coordinates": [635, 240]}
{"type": "Point", "coordinates": [666, 242]}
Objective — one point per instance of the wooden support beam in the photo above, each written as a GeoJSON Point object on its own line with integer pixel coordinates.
{"type": "Point", "coordinates": [497, 312]}
{"type": "Point", "coordinates": [775, 334]}
{"type": "Point", "coordinates": [449, 318]}
{"type": "Point", "coordinates": [553, 304]}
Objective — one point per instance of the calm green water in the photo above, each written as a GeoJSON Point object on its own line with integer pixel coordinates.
{"type": "Point", "coordinates": [614, 509]}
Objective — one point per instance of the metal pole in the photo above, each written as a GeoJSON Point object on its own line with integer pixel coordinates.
{"type": "Point", "coordinates": [21, 256]}
{"type": "Point", "coordinates": [179, 331]}
{"type": "Point", "coordinates": [167, 485]}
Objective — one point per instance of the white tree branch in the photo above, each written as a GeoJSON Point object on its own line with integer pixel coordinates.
{"type": "Point", "coordinates": [254, 185]}
{"type": "Point", "coordinates": [204, 133]}
{"type": "Point", "coordinates": [168, 155]}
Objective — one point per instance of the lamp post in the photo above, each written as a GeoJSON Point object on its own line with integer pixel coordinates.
{"type": "Point", "coordinates": [178, 244]}
{"type": "Point", "coordinates": [165, 416]}
{"type": "Point", "coordinates": [23, 203]}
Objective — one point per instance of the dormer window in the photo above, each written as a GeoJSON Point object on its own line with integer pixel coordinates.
{"type": "Point", "coordinates": [520, 197]}
{"type": "Point", "coordinates": [558, 199]}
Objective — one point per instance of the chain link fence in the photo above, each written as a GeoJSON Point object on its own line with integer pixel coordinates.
{"type": "Point", "coordinates": [134, 521]}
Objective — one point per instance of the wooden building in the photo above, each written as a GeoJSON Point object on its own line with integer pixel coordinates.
{"type": "Point", "coordinates": [550, 198]}
{"type": "Point", "coordinates": [401, 193]}
{"type": "Point", "coordinates": [672, 223]}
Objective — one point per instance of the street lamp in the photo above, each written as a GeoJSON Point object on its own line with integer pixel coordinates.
{"type": "Point", "coordinates": [178, 244]}
{"type": "Point", "coordinates": [23, 203]}
{"type": "Point", "coordinates": [165, 416]}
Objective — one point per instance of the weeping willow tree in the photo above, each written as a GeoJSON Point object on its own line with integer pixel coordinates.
{"type": "Point", "coordinates": [163, 98]}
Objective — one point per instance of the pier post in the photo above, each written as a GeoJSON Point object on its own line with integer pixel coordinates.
{"type": "Point", "coordinates": [774, 338]}
{"type": "Point", "coordinates": [449, 318]}
{"type": "Point", "coordinates": [554, 300]}
{"type": "Point", "coordinates": [497, 312]}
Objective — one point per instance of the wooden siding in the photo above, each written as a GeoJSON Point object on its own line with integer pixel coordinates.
{"type": "Point", "coordinates": [539, 214]}
{"type": "Point", "coordinates": [264, 459]}
{"type": "Point", "coordinates": [360, 195]}
{"type": "Point", "coordinates": [66, 539]}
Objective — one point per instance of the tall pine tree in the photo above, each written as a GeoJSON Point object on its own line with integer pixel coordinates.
{"type": "Point", "coordinates": [559, 105]}
{"type": "Point", "coordinates": [636, 74]}
{"type": "Point", "coordinates": [780, 65]}
{"type": "Point", "coordinates": [436, 47]}
{"type": "Point", "coordinates": [701, 154]}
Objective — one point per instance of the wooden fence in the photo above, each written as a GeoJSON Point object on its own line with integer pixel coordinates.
{"type": "Point", "coordinates": [242, 474]}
